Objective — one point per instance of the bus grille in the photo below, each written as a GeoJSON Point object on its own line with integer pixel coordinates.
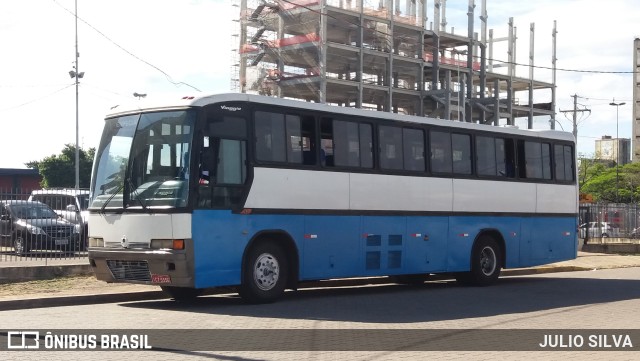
{"type": "Point", "coordinates": [130, 270]}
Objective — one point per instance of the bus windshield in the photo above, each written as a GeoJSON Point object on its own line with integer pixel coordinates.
{"type": "Point", "coordinates": [143, 161]}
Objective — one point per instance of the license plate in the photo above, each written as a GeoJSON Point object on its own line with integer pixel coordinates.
{"type": "Point", "coordinates": [160, 278]}
{"type": "Point", "coordinates": [62, 242]}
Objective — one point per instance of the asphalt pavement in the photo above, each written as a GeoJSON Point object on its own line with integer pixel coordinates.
{"type": "Point", "coordinates": [100, 292]}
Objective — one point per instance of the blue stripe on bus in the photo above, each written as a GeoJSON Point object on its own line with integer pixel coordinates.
{"type": "Point", "coordinates": [334, 246]}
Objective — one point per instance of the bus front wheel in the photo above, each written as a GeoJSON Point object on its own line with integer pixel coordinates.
{"type": "Point", "coordinates": [486, 262]}
{"type": "Point", "coordinates": [265, 273]}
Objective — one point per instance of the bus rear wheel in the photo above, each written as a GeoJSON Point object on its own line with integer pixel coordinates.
{"type": "Point", "coordinates": [264, 273]}
{"type": "Point", "coordinates": [486, 262]}
{"type": "Point", "coordinates": [182, 293]}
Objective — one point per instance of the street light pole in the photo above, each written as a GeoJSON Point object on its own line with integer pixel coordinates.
{"type": "Point", "coordinates": [617, 105]}
{"type": "Point", "coordinates": [74, 73]}
{"type": "Point", "coordinates": [77, 115]}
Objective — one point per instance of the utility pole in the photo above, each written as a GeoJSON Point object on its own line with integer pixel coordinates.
{"type": "Point", "coordinates": [77, 74]}
{"type": "Point", "coordinates": [575, 114]}
{"type": "Point", "coordinates": [77, 122]}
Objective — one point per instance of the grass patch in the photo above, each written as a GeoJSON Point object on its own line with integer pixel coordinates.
{"type": "Point", "coordinates": [55, 285]}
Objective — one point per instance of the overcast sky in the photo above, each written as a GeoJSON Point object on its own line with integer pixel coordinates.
{"type": "Point", "coordinates": [150, 46]}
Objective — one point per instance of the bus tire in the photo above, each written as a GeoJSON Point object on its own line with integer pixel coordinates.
{"type": "Point", "coordinates": [182, 293]}
{"type": "Point", "coordinates": [486, 262]}
{"type": "Point", "coordinates": [264, 273]}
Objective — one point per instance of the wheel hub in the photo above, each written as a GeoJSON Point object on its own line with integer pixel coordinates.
{"type": "Point", "coordinates": [266, 272]}
{"type": "Point", "coordinates": [488, 261]}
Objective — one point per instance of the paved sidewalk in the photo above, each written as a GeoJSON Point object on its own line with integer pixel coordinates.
{"type": "Point", "coordinates": [93, 291]}
{"type": "Point", "coordinates": [586, 261]}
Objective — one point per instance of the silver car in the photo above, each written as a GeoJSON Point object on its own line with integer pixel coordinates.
{"type": "Point", "coordinates": [599, 230]}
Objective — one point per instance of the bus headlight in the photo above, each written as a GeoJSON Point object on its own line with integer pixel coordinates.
{"type": "Point", "coordinates": [96, 242]}
{"type": "Point", "coordinates": [177, 244]}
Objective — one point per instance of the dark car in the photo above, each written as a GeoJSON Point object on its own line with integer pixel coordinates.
{"type": "Point", "coordinates": [70, 204]}
{"type": "Point", "coordinates": [32, 225]}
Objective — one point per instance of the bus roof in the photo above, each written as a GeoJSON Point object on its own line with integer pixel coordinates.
{"type": "Point", "coordinates": [183, 102]}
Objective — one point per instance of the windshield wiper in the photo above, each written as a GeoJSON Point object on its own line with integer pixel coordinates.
{"type": "Point", "coordinates": [137, 195]}
{"type": "Point", "coordinates": [111, 197]}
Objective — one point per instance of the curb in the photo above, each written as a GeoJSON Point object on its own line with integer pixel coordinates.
{"type": "Point", "coordinates": [74, 300]}
{"type": "Point", "coordinates": [541, 270]}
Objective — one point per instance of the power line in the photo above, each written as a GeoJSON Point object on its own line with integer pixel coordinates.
{"type": "Point", "coordinates": [604, 100]}
{"type": "Point", "coordinates": [169, 78]}
{"type": "Point", "coordinates": [37, 99]}
{"type": "Point", "coordinates": [13, 86]}
{"type": "Point", "coordinates": [105, 90]}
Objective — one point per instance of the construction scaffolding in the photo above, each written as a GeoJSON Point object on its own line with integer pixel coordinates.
{"type": "Point", "coordinates": [380, 55]}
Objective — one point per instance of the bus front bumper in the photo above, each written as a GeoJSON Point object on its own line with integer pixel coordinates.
{"type": "Point", "coordinates": [143, 266]}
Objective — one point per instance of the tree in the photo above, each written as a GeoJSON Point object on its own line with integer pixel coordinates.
{"type": "Point", "coordinates": [590, 168]}
{"type": "Point", "coordinates": [607, 185]}
{"type": "Point", "coordinates": [602, 186]}
{"type": "Point", "coordinates": [59, 171]}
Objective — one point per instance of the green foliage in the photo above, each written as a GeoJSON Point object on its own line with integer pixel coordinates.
{"type": "Point", "coordinates": [605, 184]}
{"type": "Point", "coordinates": [59, 171]}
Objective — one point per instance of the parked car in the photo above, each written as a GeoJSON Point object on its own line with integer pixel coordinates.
{"type": "Point", "coordinates": [70, 204]}
{"type": "Point", "coordinates": [32, 225]}
{"type": "Point", "coordinates": [599, 230]}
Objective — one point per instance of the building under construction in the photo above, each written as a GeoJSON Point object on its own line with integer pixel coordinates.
{"type": "Point", "coordinates": [386, 55]}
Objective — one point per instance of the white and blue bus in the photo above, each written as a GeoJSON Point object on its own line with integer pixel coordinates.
{"type": "Point", "coordinates": [264, 193]}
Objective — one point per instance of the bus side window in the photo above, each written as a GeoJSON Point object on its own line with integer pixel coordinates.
{"type": "Point", "coordinates": [522, 162]}
{"type": "Point", "coordinates": [440, 150]}
{"type": "Point", "coordinates": [461, 153]}
{"type": "Point", "coordinates": [326, 142]}
{"type": "Point", "coordinates": [302, 137]}
{"type": "Point", "coordinates": [509, 158]}
{"type": "Point", "coordinates": [285, 138]}
{"type": "Point", "coordinates": [270, 137]}
{"type": "Point", "coordinates": [346, 143]}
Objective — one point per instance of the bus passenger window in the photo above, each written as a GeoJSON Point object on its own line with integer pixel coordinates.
{"type": "Point", "coordinates": [326, 142]}
{"type": "Point", "coordinates": [546, 161]}
{"type": "Point", "coordinates": [461, 152]}
{"type": "Point", "coordinates": [440, 147]}
{"type": "Point", "coordinates": [413, 144]}
{"type": "Point", "coordinates": [563, 160]}
{"type": "Point", "coordinates": [390, 147]}
{"type": "Point", "coordinates": [270, 137]}
{"type": "Point", "coordinates": [345, 144]}
{"type": "Point", "coordinates": [507, 150]}
{"type": "Point", "coordinates": [495, 157]}
{"type": "Point", "coordinates": [534, 161]}
{"type": "Point", "coordinates": [293, 139]}
{"type": "Point", "coordinates": [301, 134]}
{"type": "Point", "coordinates": [487, 157]}
{"type": "Point", "coordinates": [285, 138]}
